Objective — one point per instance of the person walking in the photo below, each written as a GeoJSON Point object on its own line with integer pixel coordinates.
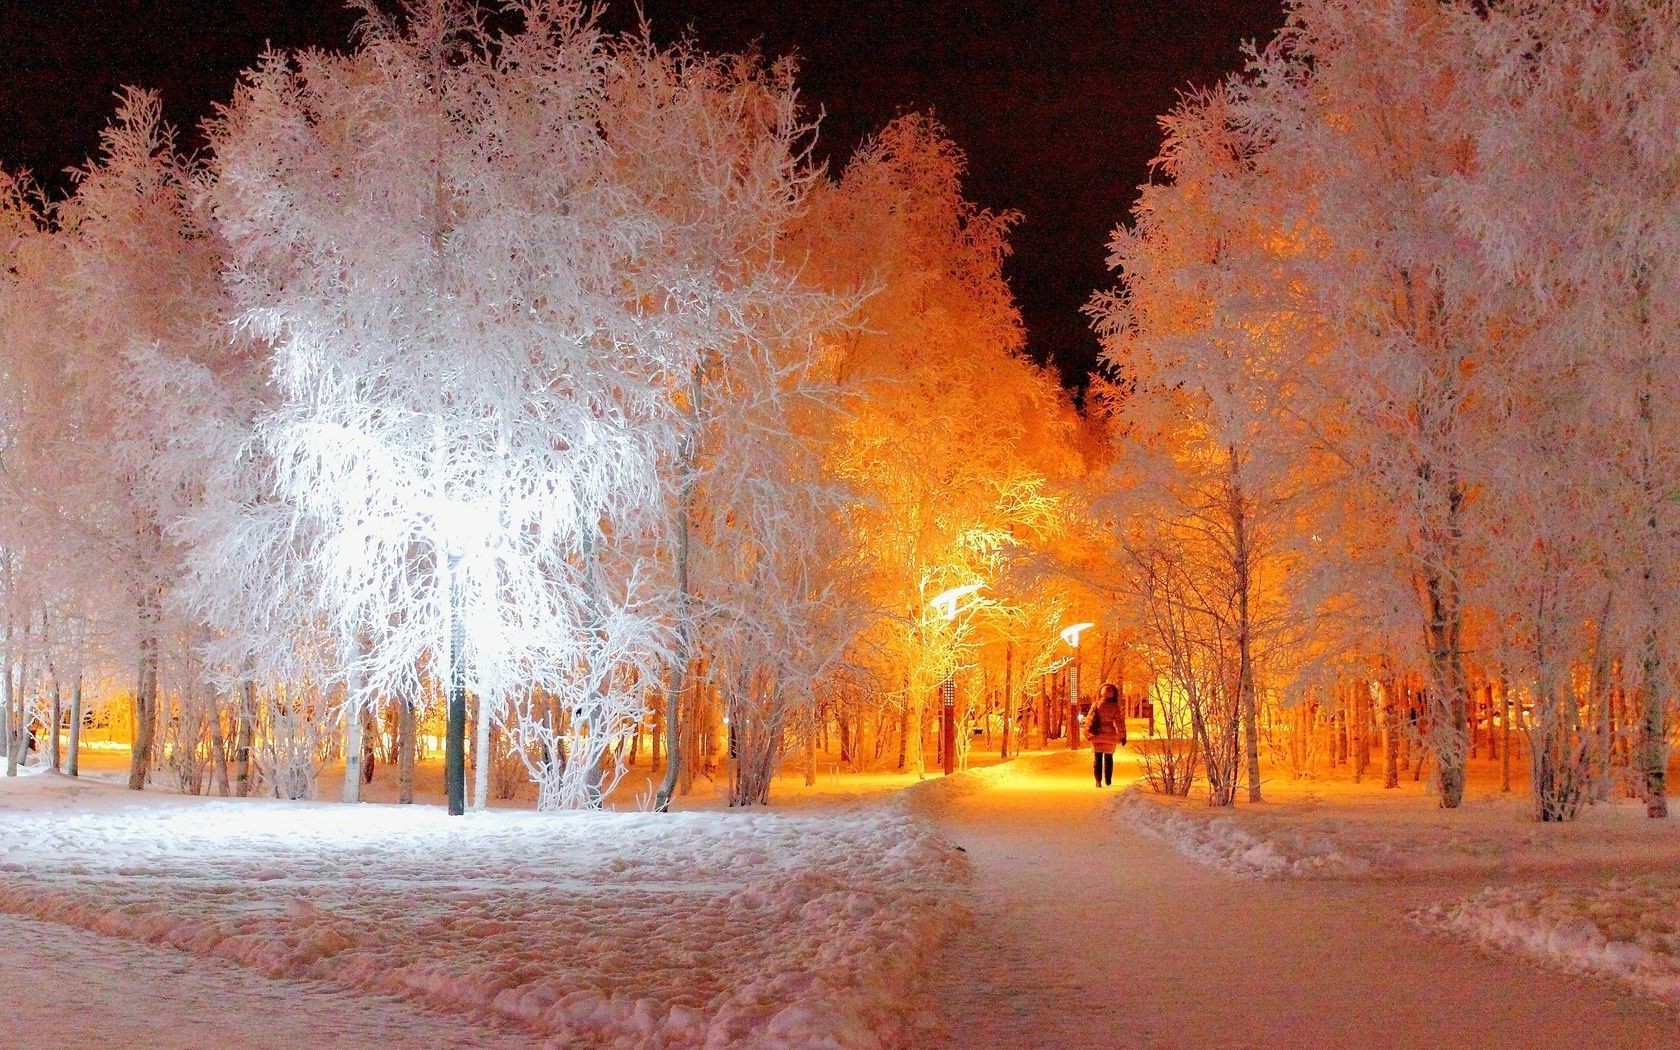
{"type": "Point", "coordinates": [1107, 730]}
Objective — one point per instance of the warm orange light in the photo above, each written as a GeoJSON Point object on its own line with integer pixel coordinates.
{"type": "Point", "coordinates": [1071, 634]}
{"type": "Point", "coordinates": [946, 601]}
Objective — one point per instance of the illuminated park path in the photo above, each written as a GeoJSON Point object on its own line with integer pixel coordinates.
{"type": "Point", "coordinates": [1088, 934]}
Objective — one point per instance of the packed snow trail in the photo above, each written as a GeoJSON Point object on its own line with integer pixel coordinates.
{"type": "Point", "coordinates": [1089, 934]}
{"type": "Point", "coordinates": [70, 988]}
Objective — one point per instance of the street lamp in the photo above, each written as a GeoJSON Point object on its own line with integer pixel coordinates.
{"type": "Point", "coordinates": [1071, 635]}
{"type": "Point", "coordinates": [461, 529]}
{"type": "Point", "coordinates": [946, 603]}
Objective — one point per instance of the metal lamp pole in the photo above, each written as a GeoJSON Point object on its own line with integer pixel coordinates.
{"type": "Point", "coordinates": [946, 602]}
{"type": "Point", "coordinates": [1073, 701]}
{"type": "Point", "coordinates": [455, 726]}
{"type": "Point", "coordinates": [1070, 635]}
{"type": "Point", "coordinates": [948, 723]}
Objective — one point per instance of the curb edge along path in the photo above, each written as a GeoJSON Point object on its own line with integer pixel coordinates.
{"type": "Point", "coordinates": [1086, 933]}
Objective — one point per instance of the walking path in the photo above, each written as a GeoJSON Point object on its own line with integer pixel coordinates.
{"type": "Point", "coordinates": [1089, 934]}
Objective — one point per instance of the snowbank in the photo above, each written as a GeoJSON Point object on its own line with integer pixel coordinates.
{"type": "Point", "coordinates": [687, 929]}
{"type": "Point", "coordinates": [1627, 929]}
{"type": "Point", "coordinates": [1240, 848]}
{"type": "Point", "coordinates": [1342, 829]}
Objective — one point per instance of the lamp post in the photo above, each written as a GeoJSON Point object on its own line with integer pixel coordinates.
{"type": "Point", "coordinates": [1070, 635]}
{"type": "Point", "coordinates": [946, 603]}
{"type": "Point", "coordinates": [461, 529]}
{"type": "Point", "coordinates": [455, 724]}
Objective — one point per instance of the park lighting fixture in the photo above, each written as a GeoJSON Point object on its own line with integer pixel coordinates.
{"type": "Point", "coordinates": [462, 529]}
{"type": "Point", "coordinates": [946, 602]}
{"type": "Point", "coordinates": [1070, 635]}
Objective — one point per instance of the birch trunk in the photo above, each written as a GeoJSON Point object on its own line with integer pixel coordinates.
{"type": "Point", "coordinates": [242, 739]}
{"type": "Point", "coordinates": [685, 641]}
{"type": "Point", "coordinates": [54, 751]}
{"type": "Point", "coordinates": [145, 697]}
{"type": "Point", "coordinates": [73, 766]}
{"type": "Point", "coordinates": [353, 737]}
{"type": "Point", "coordinates": [405, 750]}
{"type": "Point", "coordinates": [218, 747]}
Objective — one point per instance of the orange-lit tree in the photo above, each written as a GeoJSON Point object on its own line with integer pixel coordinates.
{"type": "Point", "coordinates": [953, 440]}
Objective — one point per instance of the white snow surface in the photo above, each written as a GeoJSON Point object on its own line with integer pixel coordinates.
{"type": "Point", "coordinates": [1626, 928]}
{"type": "Point", "coordinates": [68, 988]}
{"type": "Point", "coordinates": [1334, 828]}
{"type": "Point", "coordinates": [1237, 847]}
{"type": "Point", "coordinates": [587, 929]}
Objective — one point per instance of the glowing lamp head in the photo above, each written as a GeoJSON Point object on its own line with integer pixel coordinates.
{"type": "Point", "coordinates": [462, 528]}
{"type": "Point", "coordinates": [1070, 634]}
{"type": "Point", "coordinates": [946, 601]}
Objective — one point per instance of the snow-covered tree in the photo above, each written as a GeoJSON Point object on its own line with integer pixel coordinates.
{"type": "Point", "coordinates": [1575, 204]}
{"type": "Point", "coordinates": [950, 434]}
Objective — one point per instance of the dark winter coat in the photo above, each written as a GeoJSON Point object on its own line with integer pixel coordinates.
{"type": "Point", "coordinates": [1107, 727]}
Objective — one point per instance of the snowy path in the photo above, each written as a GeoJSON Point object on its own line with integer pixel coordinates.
{"type": "Point", "coordinates": [1088, 934]}
{"type": "Point", "coordinates": [70, 988]}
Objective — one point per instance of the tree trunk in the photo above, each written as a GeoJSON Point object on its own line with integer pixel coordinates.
{"type": "Point", "coordinates": [1391, 731]}
{"type": "Point", "coordinates": [353, 737]}
{"type": "Point", "coordinates": [405, 750]}
{"type": "Point", "coordinates": [1008, 699]}
{"type": "Point", "coordinates": [242, 739]}
{"type": "Point", "coordinates": [1505, 733]}
{"type": "Point", "coordinates": [145, 698]}
{"type": "Point", "coordinates": [1242, 550]}
{"type": "Point", "coordinates": [481, 752]}
{"type": "Point", "coordinates": [218, 747]}
{"type": "Point", "coordinates": [680, 660]}
{"type": "Point", "coordinates": [10, 689]}
{"type": "Point", "coordinates": [56, 753]}
{"type": "Point", "coordinates": [1654, 692]}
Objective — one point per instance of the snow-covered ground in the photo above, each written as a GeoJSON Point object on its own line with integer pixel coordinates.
{"type": "Point", "coordinates": [1626, 928]}
{"type": "Point", "coordinates": [686, 929]}
{"type": "Point", "coordinates": [1015, 905]}
{"type": "Point", "coordinates": [1609, 904]}
{"type": "Point", "coordinates": [1336, 828]}
{"type": "Point", "coordinates": [68, 988]}
{"type": "Point", "coordinates": [1086, 933]}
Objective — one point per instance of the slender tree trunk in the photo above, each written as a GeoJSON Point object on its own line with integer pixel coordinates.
{"type": "Point", "coordinates": [684, 655]}
{"type": "Point", "coordinates": [1656, 687]}
{"type": "Point", "coordinates": [1242, 544]}
{"type": "Point", "coordinates": [353, 737]}
{"type": "Point", "coordinates": [218, 747]}
{"type": "Point", "coordinates": [656, 738]}
{"type": "Point", "coordinates": [904, 729]}
{"type": "Point", "coordinates": [55, 752]}
{"type": "Point", "coordinates": [1505, 731]}
{"type": "Point", "coordinates": [242, 739]}
{"type": "Point", "coordinates": [1008, 699]}
{"type": "Point", "coordinates": [1391, 730]}
{"type": "Point", "coordinates": [73, 765]}
{"type": "Point", "coordinates": [405, 750]}
{"type": "Point", "coordinates": [481, 752]}
{"type": "Point", "coordinates": [11, 690]}
{"type": "Point", "coordinates": [145, 697]}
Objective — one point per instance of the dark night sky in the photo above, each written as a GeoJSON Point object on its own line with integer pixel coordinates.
{"type": "Point", "coordinates": [1055, 103]}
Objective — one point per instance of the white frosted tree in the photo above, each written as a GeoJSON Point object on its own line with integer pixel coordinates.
{"type": "Point", "coordinates": [1575, 206]}
{"type": "Point", "coordinates": [494, 267]}
{"type": "Point", "coordinates": [1200, 337]}
{"type": "Point", "coordinates": [101, 468]}
{"type": "Point", "coordinates": [1391, 315]}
